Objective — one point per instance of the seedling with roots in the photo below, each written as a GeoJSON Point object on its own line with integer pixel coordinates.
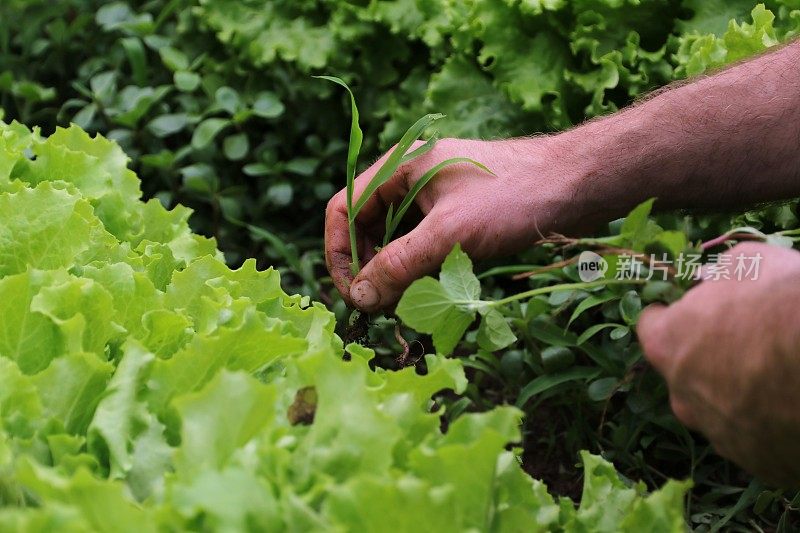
{"type": "Point", "coordinates": [401, 153]}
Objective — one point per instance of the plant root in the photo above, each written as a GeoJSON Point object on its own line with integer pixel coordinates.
{"type": "Point", "coordinates": [403, 359]}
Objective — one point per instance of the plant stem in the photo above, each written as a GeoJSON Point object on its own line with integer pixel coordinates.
{"type": "Point", "coordinates": [355, 267]}
{"type": "Point", "coordinates": [565, 287]}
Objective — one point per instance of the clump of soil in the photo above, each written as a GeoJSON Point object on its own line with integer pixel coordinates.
{"type": "Point", "coordinates": [357, 331]}
{"type": "Point", "coordinates": [304, 407]}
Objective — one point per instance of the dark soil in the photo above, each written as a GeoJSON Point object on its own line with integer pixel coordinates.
{"type": "Point", "coordinates": [554, 465]}
{"type": "Point", "coordinates": [304, 407]}
{"type": "Point", "coordinates": [358, 331]}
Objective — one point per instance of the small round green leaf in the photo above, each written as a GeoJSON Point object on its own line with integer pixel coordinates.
{"type": "Point", "coordinates": [186, 81]}
{"type": "Point", "coordinates": [602, 389]}
{"type": "Point", "coordinates": [166, 125]}
{"type": "Point", "coordinates": [512, 364]}
{"type": "Point", "coordinates": [174, 59]}
{"type": "Point", "coordinates": [85, 116]}
{"type": "Point", "coordinates": [280, 194]}
{"type": "Point", "coordinates": [206, 131]}
{"type": "Point", "coordinates": [555, 358]}
{"type": "Point", "coordinates": [256, 169]}
{"type": "Point", "coordinates": [267, 105]}
{"type": "Point", "coordinates": [305, 166]}
{"type": "Point", "coordinates": [630, 306]}
{"type": "Point", "coordinates": [228, 99]}
{"type": "Point", "coordinates": [235, 147]}
{"type": "Point", "coordinates": [199, 178]}
{"type": "Point", "coordinates": [619, 333]}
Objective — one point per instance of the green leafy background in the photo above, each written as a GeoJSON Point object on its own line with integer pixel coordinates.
{"type": "Point", "coordinates": [109, 299]}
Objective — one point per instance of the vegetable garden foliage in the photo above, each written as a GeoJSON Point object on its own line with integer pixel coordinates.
{"type": "Point", "coordinates": [215, 102]}
{"type": "Point", "coordinates": [146, 386]}
{"type": "Point", "coordinates": [565, 348]}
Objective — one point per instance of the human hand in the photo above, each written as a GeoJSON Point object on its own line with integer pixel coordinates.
{"type": "Point", "coordinates": [730, 353]}
{"type": "Point", "coordinates": [531, 193]}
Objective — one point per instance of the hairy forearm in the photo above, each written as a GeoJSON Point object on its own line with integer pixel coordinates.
{"type": "Point", "coordinates": [725, 140]}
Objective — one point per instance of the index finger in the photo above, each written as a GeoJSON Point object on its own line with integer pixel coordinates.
{"type": "Point", "coordinates": [337, 244]}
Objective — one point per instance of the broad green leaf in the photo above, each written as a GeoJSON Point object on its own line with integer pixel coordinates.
{"type": "Point", "coordinates": [619, 333]}
{"type": "Point", "coordinates": [443, 308]}
{"type": "Point", "coordinates": [20, 404]}
{"type": "Point", "coordinates": [248, 347]}
{"type": "Point", "coordinates": [82, 311]}
{"type": "Point", "coordinates": [104, 505]}
{"type": "Point", "coordinates": [45, 228]}
{"type": "Point", "coordinates": [119, 412]}
{"type": "Point", "coordinates": [70, 389]}
{"type": "Point", "coordinates": [610, 504]}
{"type": "Point", "coordinates": [635, 226]}
{"type": "Point", "coordinates": [556, 358]}
{"type": "Point", "coordinates": [27, 337]}
{"type": "Point", "coordinates": [150, 460]}
{"type": "Point", "coordinates": [457, 277]}
{"type": "Point", "coordinates": [674, 241]}
{"type": "Point", "coordinates": [211, 430]}
{"type": "Point", "coordinates": [427, 307]}
{"type": "Point", "coordinates": [602, 389]}
{"type": "Point", "coordinates": [112, 15]}
{"type": "Point", "coordinates": [494, 332]}
{"type": "Point", "coordinates": [234, 499]}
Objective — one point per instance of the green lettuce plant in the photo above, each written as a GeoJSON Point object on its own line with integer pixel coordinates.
{"type": "Point", "coordinates": [146, 386]}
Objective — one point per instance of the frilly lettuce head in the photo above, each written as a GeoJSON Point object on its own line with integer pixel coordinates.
{"type": "Point", "coordinates": [146, 386]}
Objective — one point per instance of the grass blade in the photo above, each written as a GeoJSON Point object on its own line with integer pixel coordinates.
{"type": "Point", "coordinates": [394, 159]}
{"type": "Point", "coordinates": [391, 225]}
{"type": "Point", "coordinates": [389, 222]}
{"type": "Point", "coordinates": [422, 150]}
{"type": "Point", "coordinates": [356, 138]}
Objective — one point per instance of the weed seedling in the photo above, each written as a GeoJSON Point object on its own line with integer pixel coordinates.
{"type": "Point", "coordinates": [398, 156]}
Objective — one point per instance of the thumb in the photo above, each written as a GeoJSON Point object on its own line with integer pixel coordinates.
{"type": "Point", "coordinates": [382, 281]}
{"type": "Point", "coordinates": [652, 330]}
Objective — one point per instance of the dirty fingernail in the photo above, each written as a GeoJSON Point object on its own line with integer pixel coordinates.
{"type": "Point", "coordinates": [364, 295]}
